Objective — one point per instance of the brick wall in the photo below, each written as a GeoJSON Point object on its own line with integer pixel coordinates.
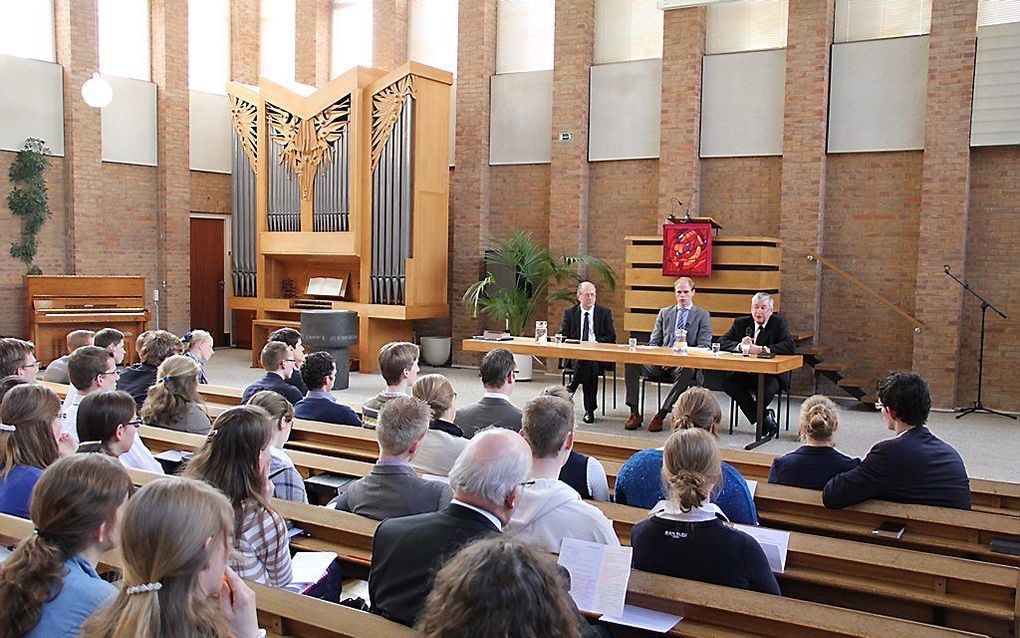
{"type": "Point", "coordinates": [743, 193]}
{"type": "Point", "coordinates": [210, 193]}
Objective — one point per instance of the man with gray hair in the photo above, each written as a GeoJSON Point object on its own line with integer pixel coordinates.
{"type": "Point", "coordinates": [754, 334]}
{"type": "Point", "coordinates": [393, 488]}
{"type": "Point", "coordinates": [587, 322]}
{"type": "Point", "coordinates": [407, 552]}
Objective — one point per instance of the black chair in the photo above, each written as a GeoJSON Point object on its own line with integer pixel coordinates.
{"type": "Point", "coordinates": [658, 380]}
{"type": "Point", "coordinates": [568, 376]}
{"type": "Point", "coordinates": [735, 413]}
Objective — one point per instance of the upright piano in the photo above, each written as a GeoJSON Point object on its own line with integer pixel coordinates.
{"type": "Point", "coordinates": [58, 304]}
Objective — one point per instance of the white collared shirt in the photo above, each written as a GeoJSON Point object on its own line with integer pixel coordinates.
{"type": "Point", "coordinates": [489, 515]}
{"type": "Point", "coordinates": [705, 512]}
{"type": "Point", "coordinates": [591, 323]}
{"type": "Point", "coordinates": [496, 395]}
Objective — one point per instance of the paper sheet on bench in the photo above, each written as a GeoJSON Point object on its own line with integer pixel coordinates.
{"type": "Point", "coordinates": [752, 486]}
{"type": "Point", "coordinates": [642, 618]}
{"type": "Point", "coordinates": [774, 543]}
{"type": "Point", "coordinates": [309, 567]}
{"type": "Point", "coordinates": [598, 575]}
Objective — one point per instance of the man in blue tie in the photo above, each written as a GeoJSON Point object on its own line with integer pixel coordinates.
{"type": "Point", "coordinates": [684, 315]}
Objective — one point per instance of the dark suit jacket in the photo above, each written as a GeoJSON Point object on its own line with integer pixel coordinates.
{"type": "Point", "coordinates": [776, 335]}
{"type": "Point", "coordinates": [486, 412]}
{"type": "Point", "coordinates": [408, 551]}
{"type": "Point", "coordinates": [914, 467]}
{"type": "Point", "coordinates": [316, 409]}
{"type": "Point", "coordinates": [389, 491]}
{"type": "Point", "coordinates": [136, 381]}
{"type": "Point", "coordinates": [809, 466]}
{"type": "Point", "coordinates": [604, 331]}
{"type": "Point", "coordinates": [298, 382]}
{"type": "Point", "coordinates": [272, 381]}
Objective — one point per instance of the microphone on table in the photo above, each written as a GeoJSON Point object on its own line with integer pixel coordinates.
{"type": "Point", "coordinates": [748, 333]}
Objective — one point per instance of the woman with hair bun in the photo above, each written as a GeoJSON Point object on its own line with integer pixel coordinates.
{"type": "Point", "coordinates": [686, 536]}
{"type": "Point", "coordinates": [816, 461]}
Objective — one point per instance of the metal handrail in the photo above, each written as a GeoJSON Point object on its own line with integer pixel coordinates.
{"type": "Point", "coordinates": [918, 324]}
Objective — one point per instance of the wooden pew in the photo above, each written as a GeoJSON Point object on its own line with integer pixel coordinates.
{"type": "Point", "coordinates": [903, 583]}
{"type": "Point", "coordinates": [280, 612]}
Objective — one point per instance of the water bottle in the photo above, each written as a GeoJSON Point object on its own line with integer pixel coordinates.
{"type": "Point", "coordinates": [680, 341]}
{"type": "Point", "coordinates": [542, 332]}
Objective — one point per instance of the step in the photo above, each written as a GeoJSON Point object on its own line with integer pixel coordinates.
{"type": "Point", "coordinates": [870, 399]}
{"type": "Point", "coordinates": [831, 366]}
{"type": "Point", "coordinates": [856, 382]}
{"type": "Point", "coordinates": [803, 336]}
{"type": "Point", "coordinates": [814, 351]}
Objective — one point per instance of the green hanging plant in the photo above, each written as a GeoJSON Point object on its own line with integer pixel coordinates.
{"type": "Point", "coordinates": [29, 199]}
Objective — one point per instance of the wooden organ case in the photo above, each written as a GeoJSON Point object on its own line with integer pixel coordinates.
{"type": "Point", "coordinates": [348, 182]}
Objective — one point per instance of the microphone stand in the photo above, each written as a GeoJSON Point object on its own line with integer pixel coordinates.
{"type": "Point", "coordinates": [985, 305]}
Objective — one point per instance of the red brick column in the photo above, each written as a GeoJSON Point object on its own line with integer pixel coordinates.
{"type": "Point", "coordinates": [313, 22]}
{"type": "Point", "coordinates": [683, 46]}
{"type": "Point", "coordinates": [173, 177]}
{"type": "Point", "coordinates": [945, 188]}
{"type": "Point", "coordinates": [389, 33]}
{"type": "Point", "coordinates": [78, 52]}
{"type": "Point", "coordinates": [469, 215]}
{"type": "Point", "coordinates": [245, 36]}
{"type": "Point", "coordinates": [568, 200]}
{"type": "Point", "coordinates": [809, 41]}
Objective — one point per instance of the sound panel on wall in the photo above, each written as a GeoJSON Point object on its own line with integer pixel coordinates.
{"type": "Point", "coordinates": [210, 146]}
{"type": "Point", "coordinates": [31, 104]}
{"type": "Point", "coordinates": [995, 116]}
{"type": "Point", "coordinates": [624, 110]}
{"type": "Point", "coordinates": [742, 104]}
{"type": "Point", "coordinates": [129, 122]}
{"type": "Point", "coordinates": [520, 118]}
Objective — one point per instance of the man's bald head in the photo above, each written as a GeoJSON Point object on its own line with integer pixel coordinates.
{"type": "Point", "coordinates": [586, 294]}
{"type": "Point", "coordinates": [490, 470]}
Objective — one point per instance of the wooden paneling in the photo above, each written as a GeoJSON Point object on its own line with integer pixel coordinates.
{"type": "Point", "coordinates": [715, 301]}
{"type": "Point", "coordinates": [721, 254]}
{"type": "Point", "coordinates": [720, 279]}
{"type": "Point", "coordinates": [642, 322]}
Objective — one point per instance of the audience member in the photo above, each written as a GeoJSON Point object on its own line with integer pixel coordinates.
{"type": "Point", "coordinates": [444, 441]}
{"type": "Point", "coordinates": [49, 585]}
{"type": "Point", "coordinates": [915, 466]}
{"type": "Point", "coordinates": [583, 473]}
{"type": "Point", "coordinates": [393, 488]}
{"type": "Point", "coordinates": [113, 340]}
{"type": "Point", "coordinates": [287, 482]}
{"type": "Point", "coordinates": [498, 372]}
{"type": "Point", "coordinates": [639, 481]}
{"type": "Point", "coordinates": [292, 338]}
{"type": "Point", "coordinates": [398, 365]}
{"type": "Point", "coordinates": [107, 423]}
{"type": "Point", "coordinates": [550, 510]}
{"type": "Point", "coordinates": [499, 587]}
{"type": "Point", "coordinates": [816, 461]}
{"type": "Point", "coordinates": [176, 542]}
{"type": "Point", "coordinates": [155, 348]}
{"type": "Point", "coordinates": [30, 441]}
{"type": "Point", "coordinates": [56, 370]}
{"type": "Point", "coordinates": [17, 357]}
{"type": "Point", "coordinates": [173, 402]}
{"type": "Point", "coordinates": [198, 346]}
{"type": "Point", "coordinates": [319, 374]}
{"type": "Point", "coordinates": [9, 382]}
{"type": "Point", "coordinates": [686, 536]}
{"type": "Point", "coordinates": [235, 459]}
{"type": "Point", "coordinates": [408, 551]}
{"type": "Point", "coordinates": [278, 362]}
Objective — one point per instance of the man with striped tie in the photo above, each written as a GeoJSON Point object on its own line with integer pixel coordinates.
{"type": "Point", "coordinates": [683, 316]}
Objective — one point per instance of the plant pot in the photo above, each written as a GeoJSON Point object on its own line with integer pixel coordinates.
{"type": "Point", "coordinates": [435, 351]}
{"type": "Point", "coordinates": [523, 362]}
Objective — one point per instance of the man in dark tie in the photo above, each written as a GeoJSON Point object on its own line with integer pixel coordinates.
{"type": "Point", "coordinates": [761, 331]}
{"type": "Point", "coordinates": [588, 322]}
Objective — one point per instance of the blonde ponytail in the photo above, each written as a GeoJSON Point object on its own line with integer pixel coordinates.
{"type": "Point", "coordinates": [691, 466]}
{"type": "Point", "coordinates": [818, 418]}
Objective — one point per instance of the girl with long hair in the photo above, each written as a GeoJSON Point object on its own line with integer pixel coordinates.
{"type": "Point", "coordinates": [199, 346]}
{"type": "Point", "coordinates": [107, 423]}
{"type": "Point", "coordinates": [287, 481]}
{"type": "Point", "coordinates": [30, 441]}
{"type": "Point", "coordinates": [173, 401]}
{"type": "Point", "coordinates": [444, 441]}
{"type": "Point", "coordinates": [235, 459]}
{"type": "Point", "coordinates": [175, 542]}
{"type": "Point", "coordinates": [49, 584]}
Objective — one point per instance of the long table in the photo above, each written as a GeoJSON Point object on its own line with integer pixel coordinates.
{"type": "Point", "coordinates": [653, 355]}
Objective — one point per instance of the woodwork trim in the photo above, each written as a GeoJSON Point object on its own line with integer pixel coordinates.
{"type": "Point", "coordinates": [244, 115]}
{"type": "Point", "coordinates": [308, 142]}
{"type": "Point", "coordinates": [387, 105]}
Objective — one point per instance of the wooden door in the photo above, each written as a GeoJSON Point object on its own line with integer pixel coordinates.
{"type": "Point", "coordinates": [207, 276]}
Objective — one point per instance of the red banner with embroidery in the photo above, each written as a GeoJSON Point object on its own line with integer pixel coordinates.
{"type": "Point", "coordinates": [687, 250]}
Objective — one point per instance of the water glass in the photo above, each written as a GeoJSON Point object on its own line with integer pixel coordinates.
{"type": "Point", "coordinates": [715, 349]}
{"type": "Point", "coordinates": [632, 344]}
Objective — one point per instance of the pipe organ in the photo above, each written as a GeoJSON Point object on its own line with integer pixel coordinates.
{"type": "Point", "coordinates": [350, 181]}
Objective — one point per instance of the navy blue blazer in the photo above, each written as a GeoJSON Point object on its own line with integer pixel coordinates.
{"type": "Point", "coordinates": [272, 381]}
{"type": "Point", "coordinates": [318, 409]}
{"type": "Point", "coordinates": [914, 467]}
{"type": "Point", "coordinates": [810, 466]}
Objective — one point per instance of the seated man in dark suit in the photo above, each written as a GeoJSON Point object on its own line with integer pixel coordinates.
{"type": "Point", "coordinates": [393, 488]}
{"type": "Point", "coordinates": [408, 551]}
{"type": "Point", "coordinates": [588, 322]}
{"type": "Point", "coordinates": [278, 362]}
{"type": "Point", "coordinates": [761, 331]}
{"type": "Point", "coordinates": [319, 374]}
{"type": "Point", "coordinates": [136, 380]}
{"type": "Point", "coordinates": [292, 338]}
{"type": "Point", "coordinates": [915, 466]}
{"type": "Point", "coordinates": [494, 408]}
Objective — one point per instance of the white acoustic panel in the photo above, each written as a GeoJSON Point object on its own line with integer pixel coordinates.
{"type": "Point", "coordinates": [129, 122]}
{"type": "Point", "coordinates": [624, 110]}
{"type": "Point", "coordinates": [995, 115]}
{"type": "Point", "coordinates": [31, 103]}
{"type": "Point", "coordinates": [520, 118]}
{"type": "Point", "coordinates": [878, 95]}
{"type": "Point", "coordinates": [210, 133]}
{"type": "Point", "coordinates": [742, 104]}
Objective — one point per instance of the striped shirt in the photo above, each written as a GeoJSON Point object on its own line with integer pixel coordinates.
{"type": "Point", "coordinates": [262, 549]}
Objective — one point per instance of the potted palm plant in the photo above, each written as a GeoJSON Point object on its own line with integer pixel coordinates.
{"type": "Point", "coordinates": [537, 275]}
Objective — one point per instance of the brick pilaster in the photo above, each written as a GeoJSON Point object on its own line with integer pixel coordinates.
{"type": "Point", "coordinates": [945, 189]}
{"type": "Point", "coordinates": [683, 47]}
{"type": "Point", "coordinates": [476, 62]}
{"type": "Point", "coordinates": [802, 215]}
{"type": "Point", "coordinates": [389, 33]}
{"type": "Point", "coordinates": [313, 22]}
{"type": "Point", "coordinates": [245, 34]}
